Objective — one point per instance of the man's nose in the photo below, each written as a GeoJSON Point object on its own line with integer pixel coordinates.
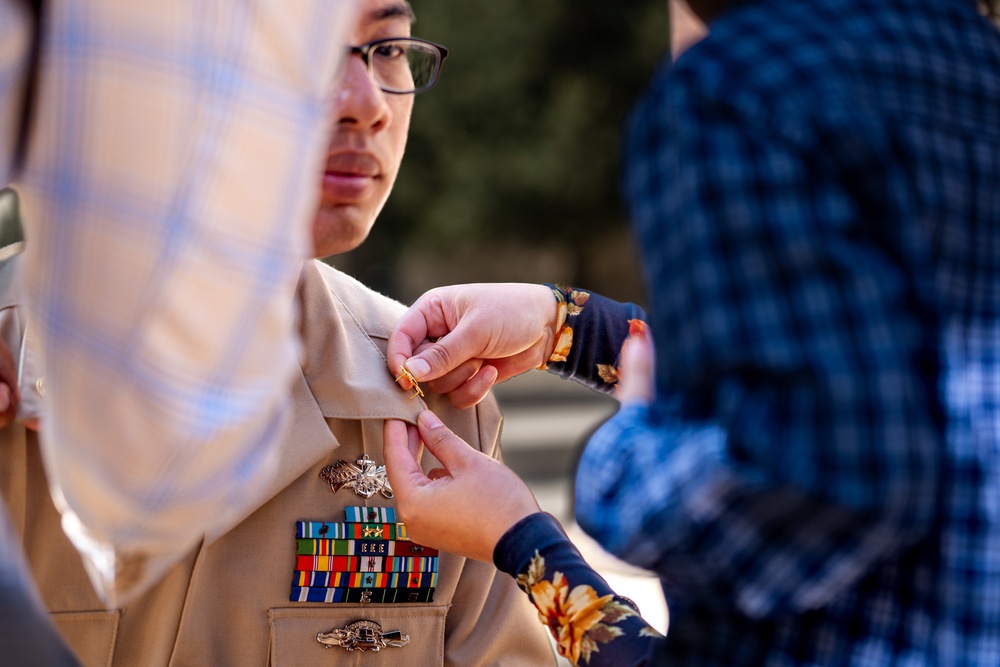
{"type": "Point", "coordinates": [359, 100]}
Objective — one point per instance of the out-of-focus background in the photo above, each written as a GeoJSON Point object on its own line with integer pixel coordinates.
{"type": "Point", "coordinates": [511, 171]}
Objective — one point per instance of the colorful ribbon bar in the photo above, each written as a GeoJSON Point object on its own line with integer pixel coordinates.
{"type": "Point", "coordinates": [377, 595]}
{"type": "Point", "coordinates": [307, 547]}
{"type": "Point", "coordinates": [370, 514]}
{"type": "Point", "coordinates": [361, 579]}
{"type": "Point", "coordinates": [366, 563]}
{"type": "Point", "coordinates": [368, 558]}
{"type": "Point", "coordinates": [350, 531]}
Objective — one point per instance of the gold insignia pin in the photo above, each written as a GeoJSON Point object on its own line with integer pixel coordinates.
{"type": "Point", "coordinates": [417, 391]}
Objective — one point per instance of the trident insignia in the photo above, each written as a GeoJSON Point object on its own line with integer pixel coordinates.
{"type": "Point", "coordinates": [362, 635]}
{"type": "Point", "coordinates": [364, 478]}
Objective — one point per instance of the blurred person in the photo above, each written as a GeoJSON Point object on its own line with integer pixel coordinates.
{"type": "Point", "coordinates": [237, 598]}
{"type": "Point", "coordinates": [812, 186]}
{"type": "Point", "coordinates": [161, 150]}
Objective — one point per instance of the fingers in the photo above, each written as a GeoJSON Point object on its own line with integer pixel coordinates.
{"type": "Point", "coordinates": [637, 376]}
{"type": "Point", "coordinates": [453, 452]}
{"type": "Point", "coordinates": [400, 450]}
{"type": "Point", "coordinates": [451, 381]}
{"type": "Point", "coordinates": [410, 331]}
{"type": "Point", "coordinates": [475, 389]}
{"type": "Point", "coordinates": [463, 343]}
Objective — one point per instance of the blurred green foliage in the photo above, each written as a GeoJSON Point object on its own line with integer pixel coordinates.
{"type": "Point", "coordinates": [519, 142]}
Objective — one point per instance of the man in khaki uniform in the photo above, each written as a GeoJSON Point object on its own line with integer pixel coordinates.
{"type": "Point", "coordinates": [228, 602]}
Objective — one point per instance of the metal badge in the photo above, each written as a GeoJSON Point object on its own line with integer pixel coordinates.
{"type": "Point", "coordinates": [363, 635]}
{"type": "Point", "coordinates": [364, 477]}
{"type": "Point", "coordinates": [417, 391]}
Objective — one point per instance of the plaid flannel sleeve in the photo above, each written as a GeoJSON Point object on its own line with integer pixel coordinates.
{"type": "Point", "coordinates": [167, 192]}
{"type": "Point", "coordinates": [793, 443]}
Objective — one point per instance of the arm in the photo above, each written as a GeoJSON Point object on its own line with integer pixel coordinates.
{"type": "Point", "coordinates": [463, 339]}
{"type": "Point", "coordinates": [591, 330]}
{"type": "Point", "coordinates": [489, 623]}
{"type": "Point", "coordinates": [27, 634]}
{"type": "Point", "coordinates": [793, 446]}
{"type": "Point", "coordinates": [165, 235]}
{"type": "Point", "coordinates": [589, 623]}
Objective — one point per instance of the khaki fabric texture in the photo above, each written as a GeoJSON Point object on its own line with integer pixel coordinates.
{"type": "Point", "coordinates": [228, 602]}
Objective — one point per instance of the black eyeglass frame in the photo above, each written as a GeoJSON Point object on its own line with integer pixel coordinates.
{"type": "Point", "coordinates": [364, 49]}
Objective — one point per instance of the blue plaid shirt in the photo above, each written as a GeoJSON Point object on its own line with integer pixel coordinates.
{"type": "Point", "coordinates": [816, 191]}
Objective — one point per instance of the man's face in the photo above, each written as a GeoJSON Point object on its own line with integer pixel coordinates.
{"type": "Point", "coordinates": [369, 136]}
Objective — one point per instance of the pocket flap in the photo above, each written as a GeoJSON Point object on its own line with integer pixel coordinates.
{"type": "Point", "coordinates": [91, 634]}
{"type": "Point", "coordinates": [294, 635]}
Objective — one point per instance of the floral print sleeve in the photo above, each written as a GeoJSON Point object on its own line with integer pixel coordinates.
{"type": "Point", "coordinates": [591, 330]}
{"type": "Point", "coordinates": [591, 625]}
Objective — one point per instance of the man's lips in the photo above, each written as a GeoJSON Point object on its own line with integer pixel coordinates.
{"type": "Point", "coordinates": [353, 164]}
{"type": "Point", "coordinates": [348, 176]}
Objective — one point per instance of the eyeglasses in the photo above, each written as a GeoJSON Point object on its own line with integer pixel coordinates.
{"type": "Point", "coordinates": [402, 65]}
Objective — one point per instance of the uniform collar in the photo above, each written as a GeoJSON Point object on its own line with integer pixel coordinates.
{"type": "Point", "coordinates": [345, 328]}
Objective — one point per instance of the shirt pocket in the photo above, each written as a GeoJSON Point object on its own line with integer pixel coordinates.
{"type": "Point", "coordinates": [294, 631]}
{"type": "Point", "coordinates": [91, 634]}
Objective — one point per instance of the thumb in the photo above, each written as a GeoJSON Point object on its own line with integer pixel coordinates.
{"type": "Point", "coordinates": [409, 332]}
{"type": "Point", "coordinates": [448, 448]}
{"type": "Point", "coordinates": [462, 343]}
{"type": "Point", "coordinates": [400, 448]}
{"type": "Point", "coordinates": [636, 384]}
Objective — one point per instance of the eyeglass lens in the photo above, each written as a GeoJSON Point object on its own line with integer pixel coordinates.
{"type": "Point", "coordinates": [403, 66]}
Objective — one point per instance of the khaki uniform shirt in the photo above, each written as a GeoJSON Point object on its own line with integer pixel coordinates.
{"type": "Point", "coordinates": [227, 603]}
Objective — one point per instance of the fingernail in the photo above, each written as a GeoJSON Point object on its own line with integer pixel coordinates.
{"type": "Point", "coordinates": [418, 368]}
{"type": "Point", "coordinates": [637, 328]}
{"type": "Point", "coordinates": [4, 398]}
{"type": "Point", "coordinates": [430, 420]}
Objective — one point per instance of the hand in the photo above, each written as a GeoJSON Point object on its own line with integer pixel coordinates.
{"type": "Point", "coordinates": [463, 508]}
{"type": "Point", "coordinates": [9, 394]}
{"type": "Point", "coordinates": [636, 375]}
{"type": "Point", "coordinates": [465, 338]}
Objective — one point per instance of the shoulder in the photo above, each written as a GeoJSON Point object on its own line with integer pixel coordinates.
{"type": "Point", "coordinates": [757, 61]}
{"type": "Point", "coordinates": [346, 327]}
{"type": "Point", "coordinates": [827, 52]}
{"type": "Point", "coordinates": [375, 312]}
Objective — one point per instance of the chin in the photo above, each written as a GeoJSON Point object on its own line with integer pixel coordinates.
{"type": "Point", "coordinates": [325, 247]}
{"type": "Point", "coordinates": [335, 233]}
